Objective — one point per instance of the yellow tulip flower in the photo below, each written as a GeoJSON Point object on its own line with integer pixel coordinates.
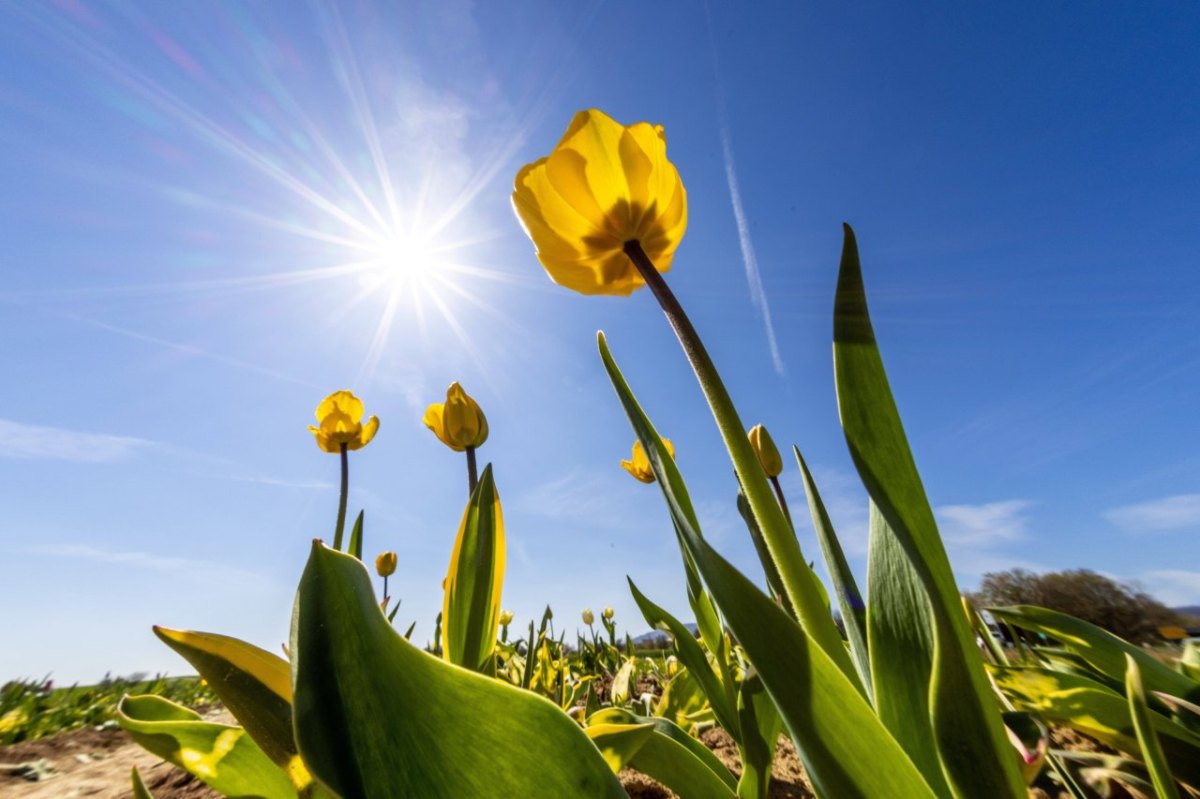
{"type": "Point", "coordinates": [639, 465]}
{"type": "Point", "coordinates": [506, 617]}
{"type": "Point", "coordinates": [766, 451]}
{"type": "Point", "coordinates": [385, 564]}
{"type": "Point", "coordinates": [458, 422]}
{"type": "Point", "coordinates": [588, 617]}
{"type": "Point", "coordinates": [608, 614]}
{"type": "Point", "coordinates": [605, 184]}
{"type": "Point", "coordinates": [340, 418]}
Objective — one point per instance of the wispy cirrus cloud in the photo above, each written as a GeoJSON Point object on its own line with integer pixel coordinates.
{"type": "Point", "coordinates": [983, 525]}
{"type": "Point", "coordinates": [20, 440]}
{"type": "Point", "coordinates": [1177, 512]}
{"type": "Point", "coordinates": [199, 570]}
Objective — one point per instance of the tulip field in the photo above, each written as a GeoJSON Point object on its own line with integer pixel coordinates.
{"type": "Point", "coordinates": [893, 689]}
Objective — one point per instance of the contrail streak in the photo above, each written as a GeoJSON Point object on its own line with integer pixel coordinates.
{"type": "Point", "coordinates": [758, 294]}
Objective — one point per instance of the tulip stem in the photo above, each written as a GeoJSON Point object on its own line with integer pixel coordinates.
{"type": "Point", "coordinates": [385, 593]}
{"type": "Point", "coordinates": [472, 471]}
{"type": "Point", "coordinates": [787, 514]}
{"type": "Point", "coordinates": [799, 583]}
{"type": "Point", "coordinates": [341, 518]}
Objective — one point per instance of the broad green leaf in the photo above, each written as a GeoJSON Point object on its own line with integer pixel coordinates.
{"type": "Point", "coordinates": [1073, 701]}
{"type": "Point", "coordinates": [222, 756]}
{"type": "Point", "coordinates": [801, 584]}
{"type": "Point", "coordinates": [471, 608]}
{"type": "Point", "coordinates": [254, 684]}
{"type": "Point", "coordinates": [846, 750]}
{"type": "Point", "coordinates": [682, 698]}
{"type": "Point", "coordinates": [719, 692]}
{"type": "Point", "coordinates": [1101, 649]}
{"type": "Point", "coordinates": [671, 756]}
{"type": "Point", "coordinates": [377, 717]}
{"type": "Point", "coordinates": [966, 721]}
{"type": "Point", "coordinates": [1156, 762]}
{"type": "Point", "coordinates": [854, 610]}
{"type": "Point", "coordinates": [618, 743]}
{"type": "Point", "coordinates": [140, 791]}
{"type": "Point", "coordinates": [901, 642]}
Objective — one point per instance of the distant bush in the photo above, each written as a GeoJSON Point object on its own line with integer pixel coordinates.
{"type": "Point", "coordinates": [1121, 608]}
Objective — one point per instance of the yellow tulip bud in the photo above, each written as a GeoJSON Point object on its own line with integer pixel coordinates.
{"type": "Point", "coordinates": [764, 448]}
{"type": "Point", "coordinates": [588, 617]}
{"type": "Point", "coordinates": [603, 185]}
{"type": "Point", "coordinates": [458, 422]}
{"type": "Point", "coordinates": [385, 564]}
{"type": "Point", "coordinates": [672, 666]}
{"type": "Point", "coordinates": [639, 464]}
{"type": "Point", "coordinates": [506, 617]}
{"type": "Point", "coordinates": [608, 614]}
{"type": "Point", "coordinates": [340, 418]}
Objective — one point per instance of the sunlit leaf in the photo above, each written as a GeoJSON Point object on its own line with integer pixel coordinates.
{"type": "Point", "coordinates": [378, 717]}
{"type": "Point", "coordinates": [471, 608]}
{"type": "Point", "coordinates": [1152, 754]}
{"type": "Point", "coordinates": [224, 757]}
{"type": "Point", "coordinates": [971, 741]}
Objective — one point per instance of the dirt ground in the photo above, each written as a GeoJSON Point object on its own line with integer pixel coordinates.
{"type": "Point", "coordinates": [97, 763]}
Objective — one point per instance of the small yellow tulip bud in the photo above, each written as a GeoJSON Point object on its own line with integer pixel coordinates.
{"type": "Point", "coordinates": [506, 617]}
{"type": "Point", "coordinates": [458, 422]}
{"type": "Point", "coordinates": [764, 448]}
{"type": "Point", "coordinates": [672, 666]}
{"type": "Point", "coordinates": [608, 614]}
{"type": "Point", "coordinates": [340, 418]}
{"type": "Point", "coordinates": [385, 564]}
{"type": "Point", "coordinates": [639, 464]}
{"type": "Point", "coordinates": [588, 617]}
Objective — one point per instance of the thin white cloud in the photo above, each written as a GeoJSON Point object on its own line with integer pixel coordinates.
{"type": "Point", "coordinates": [1178, 512]}
{"type": "Point", "coordinates": [20, 440]}
{"type": "Point", "coordinates": [196, 569]}
{"type": "Point", "coordinates": [983, 525]}
{"type": "Point", "coordinates": [1173, 587]}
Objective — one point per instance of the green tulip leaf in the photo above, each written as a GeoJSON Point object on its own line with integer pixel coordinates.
{"type": "Point", "coordinates": [254, 684]}
{"type": "Point", "coordinates": [692, 656]}
{"type": "Point", "coordinates": [1156, 762]}
{"type": "Point", "coordinates": [1099, 648]}
{"type": "Point", "coordinates": [671, 756]}
{"type": "Point", "coordinates": [971, 741]}
{"type": "Point", "coordinates": [224, 757]}
{"type": "Point", "coordinates": [854, 610]}
{"type": "Point", "coordinates": [761, 726]}
{"type": "Point", "coordinates": [377, 717]}
{"type": "Point", "coordinates": [619, 743]}
{"type": "Point", "coordinates": [140, 791]}
{"type": "Point", "coordinates": [1093, 708]}
{"type": "Point", "coordinates": [846, 750]}
{"type": "Point", "coordinates": [471, 609]}
{"type": "Point", "coordinates": [356, 537]}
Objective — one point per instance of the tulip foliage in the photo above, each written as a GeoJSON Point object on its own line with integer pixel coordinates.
{"type": "Point", "coordinates": [899, 702]}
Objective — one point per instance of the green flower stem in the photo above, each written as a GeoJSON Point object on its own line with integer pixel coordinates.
{"type": "Point", "coordinates": [787, 514]}
{"type": "Point", "coordinates": [472, 471]}
{"type": "Point", "coordinates": [797, 577]}
{"type": "Point", "coordinates": [385, 593]}
{"type": "Point", "coordinates": [341, 519]}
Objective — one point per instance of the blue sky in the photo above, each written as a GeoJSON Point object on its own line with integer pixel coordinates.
{"type": "Point", "coordinates": [197, 202]}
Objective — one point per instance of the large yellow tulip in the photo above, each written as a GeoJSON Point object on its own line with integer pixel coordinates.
{"type": "Point", "coordinates": [458, 422]}
{"type": "Point", "coordinates": [605, 184]}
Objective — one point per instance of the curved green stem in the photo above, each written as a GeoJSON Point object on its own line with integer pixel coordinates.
{"type": "Point", "coordinates": [340, 529]}
{"type": "Point", "coordinates": [797, 578]}
{"type": "Point", "coordinates": [787, 514]}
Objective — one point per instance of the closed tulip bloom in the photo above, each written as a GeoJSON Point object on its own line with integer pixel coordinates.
{"type": "Point", "coordinates": [605, 184]}
{"type": "Point", "coordinates": [458, 422]}
{"type": "Point", "coordinates": [385, 564]}
{"type": "Point", "coordinates": [340, 418]}
{"type": "Point", "coordinates": [589, 618]}
{"type": "Point", "coordinates": [766, 451]}
{"type": "Point", "coordinates": [639, 464]}
{"type": "Point", "coordinates": [506, 617]}
{"type": "Point", "coordinates": [608, 614]}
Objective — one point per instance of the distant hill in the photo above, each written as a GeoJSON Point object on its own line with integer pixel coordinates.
{"type": "Point", "coordinates": [656, 639]}
{"type": "Point", "coordinates": [1188, 610]}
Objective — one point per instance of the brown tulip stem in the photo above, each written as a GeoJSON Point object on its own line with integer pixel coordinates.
{"type": "Point", "coordinates": [472, 471]}
{"type": "Point", "coordinates": [341, 519]}
{"type": "Point", "coordinates": [782, 500]}
{"type": "Point", "coordinates": [799, 583]}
